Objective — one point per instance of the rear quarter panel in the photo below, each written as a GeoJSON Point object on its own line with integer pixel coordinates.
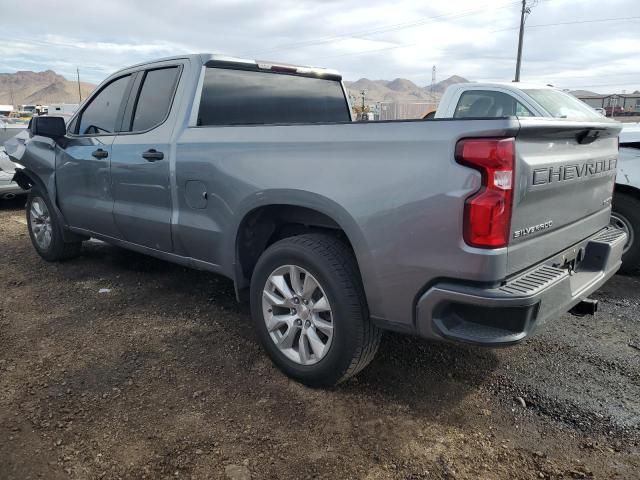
{"type": "Point", "coordinates": [394, 187]}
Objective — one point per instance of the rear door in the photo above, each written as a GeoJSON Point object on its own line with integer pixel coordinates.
{"type": "Point", "coordinates": [141, 158]}
{"type": "Point", "coordinates": [565, 174]}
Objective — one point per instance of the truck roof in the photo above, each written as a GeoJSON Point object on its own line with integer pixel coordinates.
{"type": "Point", "coordinates": [215, 58]}
{"type": "Point", "coordinates": [507, 85]}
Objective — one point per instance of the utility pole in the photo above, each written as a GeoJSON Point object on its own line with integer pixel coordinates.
{"type": "Point", "coordinates": [526, 10]}
{"type": "Point", "coordinates": [79, 91]}
{"type": "Point", "coordinates": [433, 84]}
{"type": "Point", "coordinates": [13, 100]}
{"type": "Point", "coordinates": [522, 14]}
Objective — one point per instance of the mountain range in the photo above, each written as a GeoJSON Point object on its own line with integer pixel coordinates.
{"type": "Point", "coordinates": [26, 87]}
{"type": "Point", "coordinates": [399, 90]}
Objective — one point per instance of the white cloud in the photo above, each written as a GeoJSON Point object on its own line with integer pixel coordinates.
{"type": "Point", "coordinates": [375, 39]}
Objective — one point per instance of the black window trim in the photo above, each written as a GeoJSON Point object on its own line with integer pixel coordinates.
{"type": "Point", "coordinates": [135, 96]}
{"type": "Point", "coordinates": [78, 118]}
{"type": "Point", "coordinates": [217, 66]}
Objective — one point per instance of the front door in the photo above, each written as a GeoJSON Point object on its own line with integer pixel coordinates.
{"type": "Point", "coordinates": [83, 176]}
{"type": "Point", "coordinates": [141, 158]}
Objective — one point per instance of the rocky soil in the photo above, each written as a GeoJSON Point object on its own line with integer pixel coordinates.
{"type": "Point", "coordinates": [161, 376]}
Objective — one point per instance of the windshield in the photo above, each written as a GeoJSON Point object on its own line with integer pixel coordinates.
{"type": "Point", "coordinates": [562, 105]}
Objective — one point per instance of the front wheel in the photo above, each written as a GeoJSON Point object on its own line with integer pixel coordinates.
{"type": "Point", "coordinates": [45, 229]}
{"type": "Point", "coordinates": [625, 215]}
{"type": "Point", "coordinates": [310, 312]}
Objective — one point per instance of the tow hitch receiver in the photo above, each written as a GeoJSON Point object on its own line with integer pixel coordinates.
{"type": "Point", "coordinates": [588, 306]}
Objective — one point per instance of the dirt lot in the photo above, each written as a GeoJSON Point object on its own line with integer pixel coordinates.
{"type": "Point", "coordinates": [162, 377]}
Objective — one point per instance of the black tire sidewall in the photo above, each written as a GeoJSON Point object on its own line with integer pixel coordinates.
{"type": "Point", "coordinates": [629, 207]}
{"type": "Point", "coordinates": [57, 241]}
{"type": "Point", "coordinates": [347, 315]}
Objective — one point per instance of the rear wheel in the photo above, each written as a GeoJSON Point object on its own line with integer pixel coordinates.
{"type": "Point", "coordinates": [45, 229]}
{"type": "Point", "coordinates": [310, 311]}
{"type": "Point", "coordinates": [625, 215]}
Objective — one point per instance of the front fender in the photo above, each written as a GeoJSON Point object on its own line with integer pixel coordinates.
{"type": "Point", "coordinates": [36, 160]}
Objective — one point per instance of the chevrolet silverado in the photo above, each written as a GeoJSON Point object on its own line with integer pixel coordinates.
{"type": "Point", "coordinates": [471, 229]}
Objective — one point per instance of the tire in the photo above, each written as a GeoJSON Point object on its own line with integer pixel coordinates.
{"type": "Point", "coordinates": [353, 340]}
{"type": "Point", "coordinates": [626, 215]}
{"type": "Point", "coordinates": [43, 224]}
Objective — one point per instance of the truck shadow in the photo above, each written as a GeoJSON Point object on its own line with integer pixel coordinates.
{"type": "Point", "coordinates": [428, 377]}
{"type": "Point", "coordinates": [16, 204]}
{"type": "Point", "coordinates": [406, 369]}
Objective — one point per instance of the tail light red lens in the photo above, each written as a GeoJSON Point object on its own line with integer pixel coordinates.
{"type": "Point", "coordinates": [487, 213]}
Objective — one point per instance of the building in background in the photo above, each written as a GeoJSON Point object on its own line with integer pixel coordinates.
{"type": "Point", "coordinates": [618, 103]}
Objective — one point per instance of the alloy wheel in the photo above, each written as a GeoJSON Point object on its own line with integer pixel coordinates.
{"type": "Point", "coordinates": [297, 314]}
{"type": "Point", "coordinates": [40, 220]}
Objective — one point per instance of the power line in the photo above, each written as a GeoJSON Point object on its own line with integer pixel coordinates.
{"type": "Point", "coordinates": [389, 28]}
{"type": "Point", "coordinates": [404, 45]}
{"type": "Point", "coordinates": [618, 19]}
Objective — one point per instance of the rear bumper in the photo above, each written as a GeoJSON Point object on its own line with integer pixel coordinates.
{"type": "Point", "coordinates": [508, 313]}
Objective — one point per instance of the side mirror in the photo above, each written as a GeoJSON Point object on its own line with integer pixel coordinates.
{"type": "Point", "coordinates": [50, 127]}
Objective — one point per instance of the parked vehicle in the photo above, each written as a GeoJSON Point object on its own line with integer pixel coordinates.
{"type": "Point", "coordinates": [615, 110]}
{"type": "Point", "coordinates": [467, 230]}
{"type": "Point", "coordinates": [626, 199]}
{"type": "Point", "coordinates": [496, 99]}
{"type": "Point", "coordinates": [9, 189]}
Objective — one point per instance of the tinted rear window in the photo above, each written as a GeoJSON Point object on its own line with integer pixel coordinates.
{"type": "Point", "coordinates": [155, 98]}
{"type": "Point", "coordinates": [240, 97]}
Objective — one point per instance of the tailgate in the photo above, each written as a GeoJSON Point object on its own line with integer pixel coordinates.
{"type": "Point", "coordinates": [565, 173]}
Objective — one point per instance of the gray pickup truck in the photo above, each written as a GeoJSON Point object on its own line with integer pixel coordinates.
{"type": "Point", "coordinates": [469, 230]}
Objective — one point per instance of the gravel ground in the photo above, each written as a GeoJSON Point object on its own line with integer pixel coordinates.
{"type": "Point", "coordinates": [162, 377]}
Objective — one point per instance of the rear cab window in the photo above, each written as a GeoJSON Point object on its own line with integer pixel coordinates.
{"type": "Point", "coordinates": [155, 98]}
{"type": "Point", "coordinates": [250, 97]}
{"type": "Point", "coordinates": [489, 104]}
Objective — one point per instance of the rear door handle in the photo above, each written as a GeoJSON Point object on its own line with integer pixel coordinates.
{"type": "Point", "coordinates": [100, 153]}
{"type": "Point", "coordinates": [152, 155]}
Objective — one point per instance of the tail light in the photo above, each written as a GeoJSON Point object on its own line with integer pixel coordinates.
{"type": "Point", "coordinates": [487, 213]}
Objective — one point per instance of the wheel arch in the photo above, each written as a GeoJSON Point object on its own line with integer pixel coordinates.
{"type": "Point", "coordinates": [627, 190]}
{"type": "Point", "coordinates": [277, 215]}
{"type": "Point", "coordinates": [28, 179]}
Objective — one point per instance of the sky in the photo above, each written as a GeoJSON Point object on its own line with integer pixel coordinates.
{"type": "Point", "coordinates": [575, 44]}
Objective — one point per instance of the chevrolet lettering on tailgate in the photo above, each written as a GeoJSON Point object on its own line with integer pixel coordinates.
{"type": "Point", "coordinates": [563, 173]}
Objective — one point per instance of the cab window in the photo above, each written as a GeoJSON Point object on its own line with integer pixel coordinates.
{"type": "Point", "coordinates": [155, 98]}
{"type": "Point", "coordinates": [103, 115]}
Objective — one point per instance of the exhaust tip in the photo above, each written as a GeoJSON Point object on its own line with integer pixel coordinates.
{"type": "Point", "coordinates": [588, 306]}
